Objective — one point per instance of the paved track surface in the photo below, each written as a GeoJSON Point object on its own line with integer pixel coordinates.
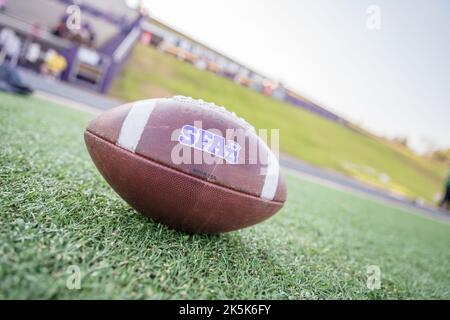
{"type": "Point", "coordinates": [90, 101]}
{"type": "Point", "coordinates": [69, 92]}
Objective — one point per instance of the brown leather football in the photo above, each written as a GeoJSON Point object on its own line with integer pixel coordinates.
{"type": "Point", "coordinates": [189, 164]}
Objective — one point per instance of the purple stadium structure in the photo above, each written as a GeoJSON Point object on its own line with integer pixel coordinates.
{"type": "Point", "coordinates": [114, 30]}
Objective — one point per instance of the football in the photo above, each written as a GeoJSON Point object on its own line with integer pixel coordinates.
{"type": "Point", "coordinates": [189, 164]}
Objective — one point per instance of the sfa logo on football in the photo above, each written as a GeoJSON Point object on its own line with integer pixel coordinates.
{"type": "Point", "coordinates": [211, 143]}
{"type": "Point", "coordinates": [234, 146]}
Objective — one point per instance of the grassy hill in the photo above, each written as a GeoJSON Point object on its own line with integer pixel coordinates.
{"type": "Point", "coordinates": [304, 135]}
{"type": "Point", "coordinates": [57, 213]}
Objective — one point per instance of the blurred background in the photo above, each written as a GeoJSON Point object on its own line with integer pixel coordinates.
{"type": "Point", "coordinates": [359, 90]}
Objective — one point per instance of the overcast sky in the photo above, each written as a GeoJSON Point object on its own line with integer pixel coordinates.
{"type": "Point", "coordinates": [394, 81]}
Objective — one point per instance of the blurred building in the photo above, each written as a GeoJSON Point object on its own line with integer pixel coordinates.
{"type": "Point", "coordinates": [183, 47]}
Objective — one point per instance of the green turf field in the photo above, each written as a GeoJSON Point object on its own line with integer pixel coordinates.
{"type": "Point", "coordinates": [56, 211]}
{"type": "Point", "coordinates": [150, 73]}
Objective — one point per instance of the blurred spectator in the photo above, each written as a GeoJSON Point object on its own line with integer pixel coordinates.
{"type": "Point", "coordinates": [10, 81]}
{"type": "Point", "coordinates": [2, 5]}
{"type": "Point", "coordinates": [54, 64]}
{"type": "Point", "coordinates": [88, 34]}
{"type": "Point", "coordinates": [84, 35]}
{"type": "Point", "coordinates": [33, 52]}
{"type": "Point", "coordinates": [10, 46]}
{"type": "Point", "coordinates": [445, 202]}
{"type": "Point", "coordinates": [60, 29]}
{"type": "Point", "coordinates": [31, 49]}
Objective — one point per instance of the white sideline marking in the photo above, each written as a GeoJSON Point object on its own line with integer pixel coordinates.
{"type": "Point", "coordinates": [271, 181]}
{"type": "Point", "coordinates": [134, 124]}
{"type": "Point", "coordinates": [361, 194]}
{"type": "Point", "coordinates": [66, 102]}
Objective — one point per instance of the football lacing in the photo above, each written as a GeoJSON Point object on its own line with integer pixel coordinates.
{"type": "Point", "coordinates": [215, 107]}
